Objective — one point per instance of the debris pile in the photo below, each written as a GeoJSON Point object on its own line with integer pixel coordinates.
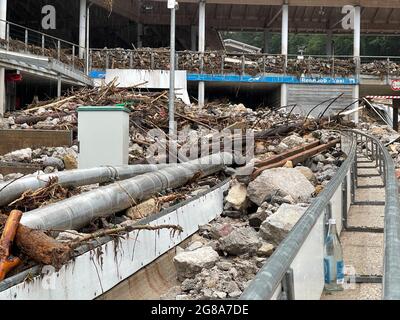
{"type": "Point", "coordinates": [381, 68]}
{"type": "Point", "coordinates": [321, 66]}
{"type": "Point", "coordinates": [65, 55]}
{"type": "Point", "coordinates": [220, 262]}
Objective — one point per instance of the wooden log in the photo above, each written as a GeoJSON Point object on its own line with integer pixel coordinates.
{"type": "Point", "coordinates": [40, 247]}
{"type": "Point", "coordinates": [7, 262]}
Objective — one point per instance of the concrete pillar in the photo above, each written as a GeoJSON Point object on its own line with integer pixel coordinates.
{"type": "Point", "coordinates": [357, 31]}
{"type": "Point", "coordinates": [266, 41]}
{"type": "Point", "coordinates": [193, 38]}
{"type": "Point", "coordinates": [82, 28]}
{"type": "Point", "coordinates": [3, 16]}
{"type": "Point", "coordinates": [284, 94]}
{"type": "Point", "coordinates": [284, 49]}
{"type": "Point", "coordinates": [59, 86]}
{"type": "Point", "coordinates": [285, 29]}
{"type": "Point", "coordinates": [357, 53]}
{"type": "Point", "coordinates": [329, 44]}
{"type": "Point", "coordinates": [202, 46]}
{"type": "Point", "coordinates": [139, 42]}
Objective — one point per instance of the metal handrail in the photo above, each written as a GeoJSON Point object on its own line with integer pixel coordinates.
{"type": "Point", "coordinates": [271, 274]}
{"type": "Point", "coordinates": [41, 33]}
{"type": "Point", "coordinates": [391, 272]}
{"type": "Point", "coordinates": [59, 44]}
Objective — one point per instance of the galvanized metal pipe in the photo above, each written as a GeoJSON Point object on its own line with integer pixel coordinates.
{"type": "Point", "coordinates": [78, 211]}
{"type": "Point", "coordinates": [10, 191]}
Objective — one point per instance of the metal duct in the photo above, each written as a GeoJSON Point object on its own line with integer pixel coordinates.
{"type": "Point", "coordinates": [78, 211]}
{"type": "Point", "coordinates": [73, 178]}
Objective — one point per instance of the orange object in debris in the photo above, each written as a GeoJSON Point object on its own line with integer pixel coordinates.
{"type": "Point", "coordinates": [7, 262]}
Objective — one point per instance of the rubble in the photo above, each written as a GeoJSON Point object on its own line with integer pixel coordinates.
{"type": "Point", "coordinates": [240, 241]}
{"type": "Point", "coordinates": [276, 227]}
{"type": "Point", "coordinates": [237, 196]}
{"type": "Point", "coordinates": [285, 180]}
{"type": "Point", "coordinates": [189, 263]}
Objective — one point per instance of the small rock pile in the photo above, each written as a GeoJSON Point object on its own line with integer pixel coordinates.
{"type": "Point", "coordinates": [49, 159]}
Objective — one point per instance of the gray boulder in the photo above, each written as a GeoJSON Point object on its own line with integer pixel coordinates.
{"type": "Point", "coordinates": [19, 155]}
{"type": "Point", "coordinates": [190, 263]}
{"type": "Point", "coordinates": [240, 241]}
{"type": "Point", "coordinates": [53, 162]}
{"type": "Point", "coordinates": [276, 227]}
{"type": "Point", "coordinates": [293, 141]}
{"type": "Point", "coordinates": [285, 181]}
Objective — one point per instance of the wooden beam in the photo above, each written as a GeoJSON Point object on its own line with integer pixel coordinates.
{"type": "Point", "coordinates": [12, 140]}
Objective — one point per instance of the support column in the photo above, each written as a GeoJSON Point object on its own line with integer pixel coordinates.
{"type": "Point", "coordinates": [329, 44]}
{"type": "Point", "coordinates": [82, 28]}
{"type": "Point", "coordinates": [59, 86]}
{"type": "Point", "coordinates": [285, 29]}
{"type": "Point", "coordinates": [202, 45]}
{"type": "Point", "coordinates": [284, 49]}
{"type": "Point", "coordinates": [357, 53]}
{"type": "Point", "coordinates": [139, 42]}
{"type": "Point", "coordinates": [3, 16]}
{"type": "Point", "coordinates": [193, 38]}
{"type": "Point", "coordinates": [87, 46]}
{"type": "Point", "coordinates": [266, 41]}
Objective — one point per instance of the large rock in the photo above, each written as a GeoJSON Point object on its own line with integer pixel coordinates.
{"type": "Point", "coordinates": [143, 209]}
{"type": "Point", "coordinates": [276, 227]}
{"type": "Point", "coordinates": [293, 141]}
{"type": "Point", "coordinates": [286, 181]}
{"type": "Point", "coordinates": [237, 196]}
{"type": "Point", "coordinates": [240, 241]}
{"type": "Point", "coordinates": [190, 263]}
{"type": "Point", "coordinates": [4, 123]}
{"type": "Point", "coordinates": [53, 162]}
{"type": "Point", "coordinates": [307, 172]}
{"type": "Point", "coordinates": [19, 155]}
{"type": "Point", "coordinates": [70, 162]}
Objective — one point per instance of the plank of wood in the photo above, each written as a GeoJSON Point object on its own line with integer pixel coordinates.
{"type": "Point", "coordinates": [12, 140]}
{"type": "Point", "coordinates": [15, 167]}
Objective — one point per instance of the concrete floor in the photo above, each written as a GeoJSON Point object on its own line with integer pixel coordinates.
{"type": "Point", "coordinates": [363, 251]}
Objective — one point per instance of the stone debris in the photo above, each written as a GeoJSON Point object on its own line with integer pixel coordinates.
{"type": "Point", "coordinates": [189, 263]}
{"type": "Point", "coordinates": [276, 227]}
{"type": "Point", "coordinates": [285, 180]}
{"type": "Point", "coordinates": [237, 196]}
{"type": "Point", "coordinates": [240, 241]}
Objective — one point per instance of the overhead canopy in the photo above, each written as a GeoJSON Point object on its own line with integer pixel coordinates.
{"type": "Point", "coordinates": [378, 16]}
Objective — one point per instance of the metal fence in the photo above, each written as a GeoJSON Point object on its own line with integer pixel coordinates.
{"type": "Point", "coordinates": [21, 39]}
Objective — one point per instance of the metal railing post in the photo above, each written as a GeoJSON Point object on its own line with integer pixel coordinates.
{"type": "Point", "coordinates": [26, 40]}
{"type": "Point", "coordinates": [152, 60]}
{"type": "Point", "coordinates": [7, 36]}
{"type": "Point", "coordinates": [59, 50]}
{"type": "Point", "coordinates": [288, 285]}
{"type": "Point", "coordinates": [43, 43]}
{"type": "Point", "coordinates": [73, 57]}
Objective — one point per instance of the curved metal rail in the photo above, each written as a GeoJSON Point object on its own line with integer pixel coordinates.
{"type": "Point", "coordinates": [276, 278]}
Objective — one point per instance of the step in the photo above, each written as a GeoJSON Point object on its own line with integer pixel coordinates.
{"type": "Point", "coordinates": [370, 195]}
{"type": "Point", "coordinates": [369, 181]}
{"type": "Point", "coordinates": [359, 291]}
{"type": "Point", "coordinates": [367, 171]}
{"type": "Point", "coordinates": [366, 216]}
{"type": "Point", "coordinates": [363, 251]}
